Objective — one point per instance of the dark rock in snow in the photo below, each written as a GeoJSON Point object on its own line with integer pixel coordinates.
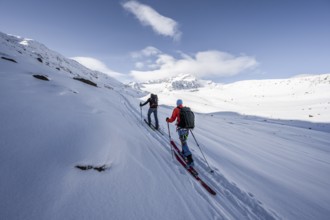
{"type": "Point", "coordinates": [89, 167]}
{"type": "Point", "coordinates": [85, 81]}
{"type": "Point", "coordinates": [9, 59]}
{"type": "Point", "coordinates": [41, 77]}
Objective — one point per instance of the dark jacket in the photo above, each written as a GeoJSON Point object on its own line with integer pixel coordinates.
{"type": "Point", "coordinates": [151, 104]}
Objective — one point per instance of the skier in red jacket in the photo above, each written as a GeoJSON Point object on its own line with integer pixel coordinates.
{"type": "Point", "coordinates": [183, 133]}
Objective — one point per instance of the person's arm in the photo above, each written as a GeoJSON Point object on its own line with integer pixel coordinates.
{"type": "Point", "coordinates": [174, 115]}
{"type": "Point", "coordinates": [145, 102]}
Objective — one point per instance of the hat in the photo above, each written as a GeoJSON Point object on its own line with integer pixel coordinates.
{"type": "Point", "coordinates": [178, 102]}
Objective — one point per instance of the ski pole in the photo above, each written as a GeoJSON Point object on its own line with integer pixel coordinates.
{"type": "Point", "coordinates": [211, 171]}
{"type": "Point", "coordinates": [169, 134]}
{"type": "Point", "coordinates": [141, 112]}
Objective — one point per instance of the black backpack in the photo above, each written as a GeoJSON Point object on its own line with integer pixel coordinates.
{"type": "Point", "coordinates": [187, 118]}
{"type": "Point", "coordinates": [153, 101]}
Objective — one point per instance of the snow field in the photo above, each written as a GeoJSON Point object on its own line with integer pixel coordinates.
{"type": "Point", "coordinates": [265, 168]}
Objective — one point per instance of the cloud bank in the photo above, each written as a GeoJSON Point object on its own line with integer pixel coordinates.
{"type": "Point", "coordinates": [150, 17]}
{"type": "Point", "coordinates": [153, 64]}
{"type": "Point", "coordinates": [97, 65]}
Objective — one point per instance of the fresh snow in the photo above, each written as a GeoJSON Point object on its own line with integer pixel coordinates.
{"type": "Point", "coordinates": [267, 141]}
{"type": "Point", "coordinates": [304, 98]}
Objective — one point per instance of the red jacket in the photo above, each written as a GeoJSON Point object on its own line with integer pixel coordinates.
{"type": "Point", "coordinates": [175, 115]}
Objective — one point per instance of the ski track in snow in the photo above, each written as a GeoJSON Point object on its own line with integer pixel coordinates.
{"type": "Point", "coordinates": [230, 202]}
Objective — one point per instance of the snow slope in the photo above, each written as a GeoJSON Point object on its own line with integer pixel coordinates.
{"type": "Point", "coordinates": [264, 169]}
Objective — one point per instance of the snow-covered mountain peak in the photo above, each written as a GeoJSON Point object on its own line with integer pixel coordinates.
{"type": "Point", "coordinates": [180, 82]}
{"type": "Point", "coordinates": [19, 48]}
{"type": "Point", "coordinates": [184, 81]}
{"type": "Point", "coordinates": [24, 45]}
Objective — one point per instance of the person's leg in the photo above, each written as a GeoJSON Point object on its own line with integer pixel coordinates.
{"type": "Point", "coordinates": [156, 118]}
{"type": "Point", "coordinates": [190, 160]}
{"type": "Point", "coordinates": [183, 136]}
{"type": "Point", "coordinates": [149, 113]}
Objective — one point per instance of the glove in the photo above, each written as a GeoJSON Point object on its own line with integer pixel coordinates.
{"type": "Point", "coordinates": [167, 119]}
{"type": "Point", "coordinates": [140, 104]}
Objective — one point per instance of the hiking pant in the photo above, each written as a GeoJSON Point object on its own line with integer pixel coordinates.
{"type": "Point", "coordinates": [153, 110]}
{"type": "Point", "coordinates": [183, 135]}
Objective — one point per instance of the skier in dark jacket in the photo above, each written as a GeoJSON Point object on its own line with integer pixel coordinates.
{"type": "Point", "coordinates": [153, 104]}
{"type": "Point", "coordinates": [182, 132]}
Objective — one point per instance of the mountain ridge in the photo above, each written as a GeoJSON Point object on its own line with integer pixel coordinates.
{"type": "Point", "coordinates": [16, 47]}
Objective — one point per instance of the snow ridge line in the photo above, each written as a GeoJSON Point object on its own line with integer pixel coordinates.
{"type": "Point", "coordinates": [232, 201]}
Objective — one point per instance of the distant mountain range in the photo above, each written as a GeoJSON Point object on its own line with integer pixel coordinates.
{"type": "Point", "coordinates": [298, 98]}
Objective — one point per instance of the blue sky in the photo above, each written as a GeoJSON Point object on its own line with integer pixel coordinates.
{"type": "Point", "coordinates": [222, 40]}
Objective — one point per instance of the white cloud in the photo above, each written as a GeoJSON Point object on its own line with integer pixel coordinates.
{"type": "Point", "coordinates": [97, 65]}
{"type": "Point", "coordinates": [150, 51]}
{"type": "Point", "coordinates": [150, 17]}
{"type": "Point", "coordinates": [146, 52]}
{"type": "Point", "coordinates": [139, 65]}
{"type": "Point", "coordinates": [203, 64]}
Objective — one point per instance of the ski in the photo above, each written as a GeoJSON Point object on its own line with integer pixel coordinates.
{"type": "Point", "coordinates": [153, 127]}
{"type": "Point", "coordinates": [160, 131]}
{"type": "Point", "coordinates": [145, 120]}
{"type": "Point", "coordinates": [191, 170]}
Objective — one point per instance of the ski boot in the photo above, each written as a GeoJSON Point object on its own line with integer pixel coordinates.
{"type": "Point", "coordinates": [190, 161]}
